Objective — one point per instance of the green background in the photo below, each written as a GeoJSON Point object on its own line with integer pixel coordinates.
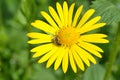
{"type": "Point", "coordinates": [16, 62]}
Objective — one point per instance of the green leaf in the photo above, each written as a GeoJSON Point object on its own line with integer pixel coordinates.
{"type": "Point", "coordinates": [108, 10]}
{"type": "Point", "coordinates": [78, 3]}
{"type": "Point", "coordinates": [27, 8]}
{"type": "Point", "coordinates": [39, 72]}
{"type": "Point", "coordinates": [21, 18]}
{"type": "Point", "coordinates": [94, 72]}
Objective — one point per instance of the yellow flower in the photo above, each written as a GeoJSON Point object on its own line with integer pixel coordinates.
{"type": "Point", "coordinates": [65, 39]}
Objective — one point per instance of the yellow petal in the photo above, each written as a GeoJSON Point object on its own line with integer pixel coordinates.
{"type": "Point", "coordinates": [60, 12]}
{"type": "Point", "coordinates": [38, 41]}
{"type": "Point", "coordinates": [72, 62]}
{"type": "Point", "coordinates": [41, 51]}
{"type": "Point", "coordinates": [43, 26]}
{"type": "Point", "coordinates": [70, 14]}
{"type": "Point", "coordinates": [37, 35]}
{"type": "Point", "coordinates": [77, 14]}
{"type": "Point", "coordinates": [81, 54]}
{"type": "Point", "coordinates": [49, 19]}
{"type": "Point", "coordinates": [65, 61]}
{"type": "Point", "coordinates": [91, 58]}
{"type": "Point", "coordinates": [85, 56]}
{"type": "Point", "coordinates": [78, 60]}
{"type": "Point", "coordinates": [48, 55]}
{"type": "Point", "coordinates": [85, 17]}
{"type": "Point", "coordinates": [55, 16]}
{"type": "Point", "coordinates": [88, 48]}
{"type": "Point", "coordinates": [65, 12]}
{"type": "Point", "coordinates": [59, 59]}
{"type": "Point", "coordinates": [91, 22]}
{"type": "Point", "coordinates": [41, 38]}
{"type": "Point", "coordinates": [97, 40]}
{"type": "Point", "coordinates": [53, 57]}
{"type": "Point", "coordinates": [94, 38]}
{"type": "Point", "coordinates": [92, 27]}
{"type": "Point", "coordinates": [42, 47]}
{"type": "Point", "coordinates": [89, 45]}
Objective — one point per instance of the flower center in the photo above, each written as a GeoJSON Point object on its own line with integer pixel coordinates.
{"type": "Point", "coordinates": [67, 36]}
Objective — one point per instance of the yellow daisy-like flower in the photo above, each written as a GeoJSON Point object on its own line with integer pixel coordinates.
{"type": "Point", "coordinates": [64, 40]}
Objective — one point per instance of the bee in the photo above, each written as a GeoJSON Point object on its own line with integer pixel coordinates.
{"type": "Point", "coordinates": [56, 41]}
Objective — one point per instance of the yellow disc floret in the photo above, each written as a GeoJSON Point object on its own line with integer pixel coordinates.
{"type": "Point", "coordinates": [67, 36]}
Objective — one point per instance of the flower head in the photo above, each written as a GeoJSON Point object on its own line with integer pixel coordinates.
{"type": "Point", "coordinates": [65, 39]}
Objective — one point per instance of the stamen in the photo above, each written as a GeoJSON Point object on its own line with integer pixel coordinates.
{"type": "Point", "coordinates": [66, 36]}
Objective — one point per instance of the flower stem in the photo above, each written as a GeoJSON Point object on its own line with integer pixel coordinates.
{"type": "Point", "coordinates": [113, 54]}
{"type": "Point", "coordinates": [0, 14]}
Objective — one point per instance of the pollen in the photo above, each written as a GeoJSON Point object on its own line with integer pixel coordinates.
{"type": "Point", "coordinates": [67, 36]}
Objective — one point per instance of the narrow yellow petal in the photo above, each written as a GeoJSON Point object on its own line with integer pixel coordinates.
{"type": "Point", "coordinates": [49, 19]}
{"type": "Point", "coordinates": [86, 55]}
{"type": "Point", "coordinates": [41, 51]}
{"type": "Point", "coordinates": [41, 38]}
{"type": "Point", "coordinates": [59, 59]}
{"type": "Point", "coordinates": [60, 12]}
{"type": "Point", "coordinates": [100, 36]}
{"type": "Point", "coordinates": [78, 60]}
{"type": "Point", "coordinates": [92, 27]}
{"type": "Point", "coordinates": [88, 48]}
{"type": "Point", "coordinates": [55, 16]}
{"type": "Point", "coordinates": [38, 41]}
{"type": "Point", "coordinates": [85, 17]}
{"type": "Point", "coordinates": [94, 38]}
{"type": "Point", "coordinates": [38, 54]}
{"type": "Point", "coordinates": [89, 45]}
{"type": "Point", "coordinates": [53, 57]}
{"type": "Point", "coordinates": [43, 26]}
{"type": "Point", "coordinates": [65, 61]}
{"type": "Point", "coordinates": [91, 58]}
{"type": "Point", "coordinates": [48, 55]}
{"type": "Point", "coordinates": [70, 14]}
{"type": "Point", "coordinates": [81, 54]}
{"type": "Point", "coordinates": [42, 47]}
{"type": "Point", "coordinates": [65, 12]}
{"type": "Point", "coordinates": [72, 62]}
{"type": "Point", "coordinates": [91, 22]}
{"type": "Point", "coordinates": [77, 14]}
{"type": "Point", "coordinates": [93, 52]}
{"type": "Point", "coordinates": [97, 40]}
{"type": "Point", "coordinates": [37, 35]}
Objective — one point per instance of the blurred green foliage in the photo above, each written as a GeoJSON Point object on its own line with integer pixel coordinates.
{"type": "Point", "coordinates": [15, 59]}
